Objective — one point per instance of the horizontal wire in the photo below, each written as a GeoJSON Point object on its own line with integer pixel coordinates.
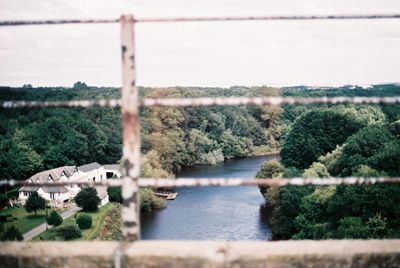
{"type": "Point", "coordinates": [184, 102]}
{"type": "Point", "coordinates": [200, 19]}
{"type": "Point", "coordinates": [198, 182]}
{"type": "Point", "coordinates": [266, 18]}
{"type": "Point", "coordinates": [53, 22]}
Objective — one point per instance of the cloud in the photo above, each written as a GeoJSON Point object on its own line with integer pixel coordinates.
{"type": "Point", "coordinates": [207, 54]}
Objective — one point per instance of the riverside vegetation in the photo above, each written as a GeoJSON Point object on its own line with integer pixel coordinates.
{"type": "Point", "coordinates": [316, 140]}
{"type": "Point", "coordinates": [32, 140]}
{"type": "Point", "coordinates": [341, 140]}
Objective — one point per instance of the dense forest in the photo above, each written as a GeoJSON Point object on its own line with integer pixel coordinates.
{"type": "Point", "coordinates": [32, 140]}
{"type": "Point", "coordinates": [336, 140]}
{"type": "Point", "coordinates": [315, 141]}
{"type": "Point", "coordinates": [37, 139]}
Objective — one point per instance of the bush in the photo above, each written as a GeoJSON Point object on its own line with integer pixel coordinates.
{"type": "Point", "coordinates": [14, 193]}
{"type": "Point", "coordinates": [269, 169]}
{"type": "Point", "coordinates": [87, 199]}
{"type": "Point", "coordinates": [69, 232]}
{"type": "Point", "coordinates": [148, 200]}
{"type": "Point", "coordinates": [115, 194]}
{"type": "Point", "coordinates": [3, 198]}
{"type": "Point", "coordinates": [12, 234]}
{"type": "Point", "coordinates": [54, 219]}
{"type": "Point", "coordinates": [84, 221]}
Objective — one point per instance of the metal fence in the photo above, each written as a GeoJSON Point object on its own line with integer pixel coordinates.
{"type": "Point", "coordinates": [130, 104]}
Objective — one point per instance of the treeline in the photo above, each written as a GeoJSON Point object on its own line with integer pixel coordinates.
{"type": "Point", "coordinates": [342, 140]}
{"type": "Point", "coordinates": [33, 140]}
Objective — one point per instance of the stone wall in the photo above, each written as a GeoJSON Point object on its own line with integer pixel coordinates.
{"type": "Point", "coordinates": [329, 253]}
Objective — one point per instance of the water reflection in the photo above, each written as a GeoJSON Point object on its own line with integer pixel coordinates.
{"type": "Point", "coordinates": [213, 213]}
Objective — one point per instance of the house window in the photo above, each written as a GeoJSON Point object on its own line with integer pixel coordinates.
{"type": "Point", "coordinates": [52, 196]}
{"type": "Point", "coordinates": [101, 177]}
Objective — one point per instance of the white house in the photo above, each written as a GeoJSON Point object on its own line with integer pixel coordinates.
{"type": "Point", "coordinates": [58, 195]}
{"type": "Point", "coordinates": [112, 170]}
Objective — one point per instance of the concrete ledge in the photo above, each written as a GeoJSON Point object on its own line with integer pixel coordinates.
{"type": "Point", "coordinates": [329, 253]}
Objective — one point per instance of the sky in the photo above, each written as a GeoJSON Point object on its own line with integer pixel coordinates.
{"type": "Point", "coordinates": [276, 53]}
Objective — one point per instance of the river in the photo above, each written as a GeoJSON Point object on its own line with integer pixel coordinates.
{"type": "Point", "coordinates": [212, 213]}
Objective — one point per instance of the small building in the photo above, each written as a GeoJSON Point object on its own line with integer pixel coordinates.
{"type": "Point", "coordinates": [57, 195]}
{"type": "Point", "coordinates": [93, 171]}
{"type": "Point", "coordinates": [112, 171]}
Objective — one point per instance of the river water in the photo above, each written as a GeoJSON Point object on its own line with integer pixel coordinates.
{"type": "Point", "coordinates": [212, 213]}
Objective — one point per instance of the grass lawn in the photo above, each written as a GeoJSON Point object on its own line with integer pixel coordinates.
{"type": "Point", "coordinates": [88, 234]}
{"type": "Point", "coordinates": [23, 220]}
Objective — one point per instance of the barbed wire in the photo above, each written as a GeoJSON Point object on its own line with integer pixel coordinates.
{"type": "Point", "coordinates": [203, 19]}
{"type": "Point", "coordinates": [184, 102]}
{"type": "Point", "coordinates": [201, 182]}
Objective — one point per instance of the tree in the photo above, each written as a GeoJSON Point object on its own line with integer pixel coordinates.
{"type": "Point", "coordinates": [87, 199]}
{"type": "Point", "coordinates": [12, 234]}
{"type": "Point", "coordinates": [35, 203]}
{"type": "Point", "coordinates": [314, 134]}
{"type": "Point", "coordinates": [316, 170]}
{"type": "Point", "coordinates": [27, 86]}
{"type": "Point", "coordinates": [80, 85]}
{"type": "Point", "coordinates": [84, 221]}
{"type": "Point", "coordinates": [149, 201]}
{"type": "Point", "coordinates": [233, 146]}
{"type": "Point", "coordinates": [269, 169]}
{"type": "Point", "coordinates": [54, 219]}
{"type": "Point", "coordinates": [17, 159]}
{"type": "Point", "coordinates": [374, 146]}
{"type": "Point", "coordinates": [69, 232]}
{"type": "Point", "coordinates": [115, 194]}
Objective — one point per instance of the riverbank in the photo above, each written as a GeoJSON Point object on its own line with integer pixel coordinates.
{"type": "Point", "coordinates": [265, 150]}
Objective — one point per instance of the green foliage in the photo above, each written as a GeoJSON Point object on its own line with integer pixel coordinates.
{"type": "Point", "coordinates": [374, 146]}
{"type": "Point", "coordinates": [35, 203]}
{"type": "Point", "coordinates": [12, 234]}
{"type": "Point", "coordinates": [111, 228]}
{"type": "Point", "coordinates": [3, 198]}
{"type": "Point", "coordinates": [292, 172]}
{"type": "Point", "coordinates": [234, 146]}
{"type": "Point", "coordinates": [314, 134]}
{"type": "Point", "coordinates": [148, 201]}
{"type": "Point", "coordinates": [54, 219]}
{"type": "Point", "coordinates": [365, 171]}
{"type": "Point", "coordinates": [87, 199]}
{"type": "Point", "coordinates": [17, 158]}
{"type": "Point", "coordinates": [14, 193]}
{"type": "Point", "coordinates": [285, 209]}
{"type": "Point", "coordinates": [80, 85]}
{"type": "Point", "coordinates": [151, 166]}
{"type": "Point", "coordinates": [316, 170]}
{"type": "Point", "coordinates": [115, 194]}
{"type": "Point", "coordinates": [269, 169]}
{"type": "Point", "coordinates": [84, 221]}
{"type": "Point", "coordinates": [355, 228]}
{"type": "Point", "coordinates": [69, 232]}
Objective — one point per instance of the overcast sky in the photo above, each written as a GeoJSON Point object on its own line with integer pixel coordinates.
{"type": "Point", "coordinates": [202, 54]}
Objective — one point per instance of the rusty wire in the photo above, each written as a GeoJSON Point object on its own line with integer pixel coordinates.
{"type": "Point", "coordinates": [200, 19]}
{"type": "Point", "coordinates": [183, 102]}
{"type": "Point", "coordinates": [202, 182]}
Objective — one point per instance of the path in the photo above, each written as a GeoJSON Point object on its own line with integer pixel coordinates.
{"type": "Point", "coordinates": [41, 228]}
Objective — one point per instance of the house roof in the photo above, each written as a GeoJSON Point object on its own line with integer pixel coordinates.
{"type": "Point", "coordinates": [115, 167]}
{"type": "Point", "coordinates": [28, 188]}
{"type": "Point", "coordinates": [89, 167]}
{"type": "Point", "coordinates": [54, 174]}
{"type": "Point", "coordinates": [55, 189]}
